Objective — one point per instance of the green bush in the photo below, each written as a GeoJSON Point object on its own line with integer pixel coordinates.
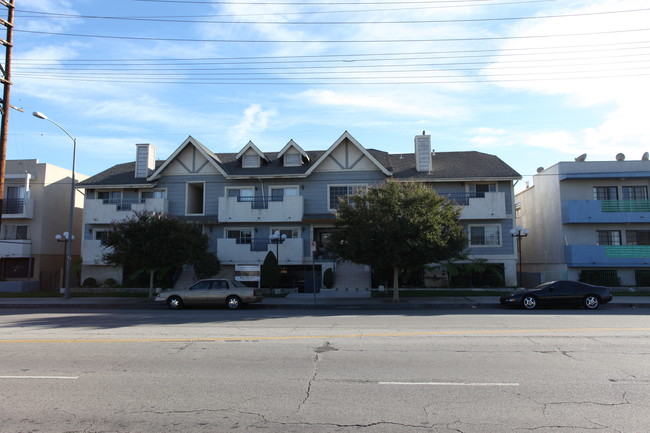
{"type": "Point", "coordinates": [90, 283]}
{"type": "Point", "coordinates": [328, 278]}
{"type": "Point", "coordinates": [110, 283]}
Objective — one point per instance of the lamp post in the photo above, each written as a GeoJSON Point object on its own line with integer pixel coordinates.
{"type": "Point", "coordinates": [68, 242]}
{"type": "Point", "coordinates": [277, 239]}
{"type": "Point", "coordinates": [65, 238]}
{"type": "Point", "coordinates": [519, 233]}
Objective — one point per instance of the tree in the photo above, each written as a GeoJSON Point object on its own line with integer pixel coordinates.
{"type": "Point", "coordinates": [398, 226]}
{"type": "Point", "coordinates": [270, 274]}
{"type": "Point", "coordinates": [155, 242]}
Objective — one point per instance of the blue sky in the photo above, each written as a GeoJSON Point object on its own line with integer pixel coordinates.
{"type": "Point", "coordinates": [534, 82]}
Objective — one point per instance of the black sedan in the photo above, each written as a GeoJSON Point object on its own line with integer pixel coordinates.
{"type": "Point", "coordinates": [569, 293]}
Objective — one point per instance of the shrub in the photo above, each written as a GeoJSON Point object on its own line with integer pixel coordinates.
{"type": "Point", "coordinates": [328, 278]}
{"type": "Point", "coordinates": [90, 282]}
{"type": "Point", "coordinates": [110, 283]}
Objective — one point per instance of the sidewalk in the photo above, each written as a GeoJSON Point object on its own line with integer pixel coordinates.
{"type": "Point", "coordinates": [304, 301]}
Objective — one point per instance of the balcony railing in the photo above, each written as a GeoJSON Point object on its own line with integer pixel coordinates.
{"type": "Point", "coordinates": [627, 251]}
{"type": "Point", "coordinates": [13, 205]}
{"type": "Point", "coordinates": [625, 205]}
{"type": "Point", "coordinates": [462, 198]}
{"type": "Point", "coordinates": [259, 201]}
{"type": "Point", "coordinates": [123, 204]}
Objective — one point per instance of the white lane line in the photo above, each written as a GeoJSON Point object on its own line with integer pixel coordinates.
{"type": "Point", "coordinates": [451, 383]}
{"type": "Point", "coordinates": [41, 377]}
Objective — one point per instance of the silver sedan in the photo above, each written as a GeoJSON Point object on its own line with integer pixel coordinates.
{"type": "Point", "coordinates": [230, 293]}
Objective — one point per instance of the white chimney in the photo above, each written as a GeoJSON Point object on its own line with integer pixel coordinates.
{"type": "Point", "coordinates": [145, 160]}
{"type": "Point", "coordinates": [423, 152]}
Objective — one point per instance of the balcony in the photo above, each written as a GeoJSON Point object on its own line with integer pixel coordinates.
{"type": "Point", "coordinates": [92, 252]}
{"type": "Point", "coordinates": [98, 211]}
{"type": "Point", "coordinates": [18, 208]}
{"type": "Point", "coordinates": [479, 205]}
{"type": "Point", "coordinates": [260, 209]}
{"type": "Point", "coordinates": [607, 255]}
{"type": "Point", "coordinates": [15, 247]}
{"type": "Point", "coordinates": [253, 251]}
{"type": "Point", "coordinates": [605, 211]}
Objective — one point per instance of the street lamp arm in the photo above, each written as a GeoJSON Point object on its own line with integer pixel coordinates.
{"type": "Point", "coordinates": [44, 117]}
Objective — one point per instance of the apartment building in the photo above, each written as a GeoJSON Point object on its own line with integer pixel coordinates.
{"type": "Point", "coordinates": [242, 199]}
{"type": "Point", "coordinates": [35, 209]}
{"type": "Point", "coordinates": [588, 220]}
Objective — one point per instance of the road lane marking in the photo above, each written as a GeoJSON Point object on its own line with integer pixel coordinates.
{"type": "Point", "coordinates": [451, 383]}
{"type": "Point", "coordinates": [329, 336]}
{"type": "Point", "coordinates": [41, 377]}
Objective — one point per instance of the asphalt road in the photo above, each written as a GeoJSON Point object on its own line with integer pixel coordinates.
{"type": "Point", "coordinates": [324, 371]}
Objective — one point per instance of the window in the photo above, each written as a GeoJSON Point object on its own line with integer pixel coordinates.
{"type": "Point", "coordinates": [609, 237]}
{"type": "Point", "coordinates": [241, 192]}
{"type": "Point", "coordinates": [250, 161]}
{"type": "Point", "coordinates": [100, 235]}
{"type": "Point", "coordinates": [110, 197]}
{"type": "Point", "coordinates": [482, 188]}
{"type": "Point", "coordinates": [292, 159]}
{"type": "Point", "coordinates": [195, 198]}
{"type": "Point", "coordinates": [242, 236]}
{"type": "Point", "coordinates": [290, 232]}
{"type": "Point", "coordinates": [605, 193]}
{"type": "Point", "coordinates": [156, 193]}
{"type": "Point", "coordinates": [485, 235]}
{"type": "Point", "coordinates": [343, 192]}
{"type": "Point", "coordinates": [15, 232]}
{"type": "Point", "coordinates": [287, 191]}
{"type": "Point", "coordinates": [638, 237]}
{"type": "Point", "coordinates": [635, 193]}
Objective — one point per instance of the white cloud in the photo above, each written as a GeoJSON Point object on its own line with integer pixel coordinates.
{"type": "Point", "coordinates": [254, 122]}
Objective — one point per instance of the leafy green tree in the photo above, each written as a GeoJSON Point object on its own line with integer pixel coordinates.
{"type": "Point", "coordinates": [155, 242]}
{"type": "Point", "coordinates": [398, 226]}
{"type": "Point", "coordinates": [270, 274]}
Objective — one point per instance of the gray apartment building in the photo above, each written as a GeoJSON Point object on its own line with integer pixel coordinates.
{"type": "Point", "coordinates": [243, 198]}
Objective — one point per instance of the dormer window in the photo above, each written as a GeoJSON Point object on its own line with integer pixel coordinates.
{"type": "Point", "coordinates": [250, 161]}
{"type": "Point", "coordinates": [292, 160]}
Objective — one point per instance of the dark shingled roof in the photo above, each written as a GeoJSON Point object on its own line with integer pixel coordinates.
{"type": "Point", "coordinates": [445, 165]}
{"type": "Point", "coordinates": [453, 165]}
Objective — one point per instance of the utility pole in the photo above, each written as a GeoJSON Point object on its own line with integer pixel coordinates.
{"type": "Point", "coordinates": [5, 79]}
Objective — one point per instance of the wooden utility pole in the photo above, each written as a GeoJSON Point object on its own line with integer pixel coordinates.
{"type": "Point", "coordinates": [5, 79]}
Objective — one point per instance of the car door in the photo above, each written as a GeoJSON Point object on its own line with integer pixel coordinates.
{"type": "Point", "coordinates": [197, 294]}
{"type": "Point", "coordinates": [218, 292]}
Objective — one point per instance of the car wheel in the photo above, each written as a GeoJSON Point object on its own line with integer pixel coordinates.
{"type": "Point", "coordinates": [175, 303]}
{"type": "Point", "coordinates": [591, 302]}
{"type": "Point", "coordinates": [233, 302]}
{"type": "Point", "coordinates": [529, 302]}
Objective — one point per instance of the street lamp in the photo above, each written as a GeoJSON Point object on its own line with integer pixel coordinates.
{"type": "Point", "coordinates": [277, 239]}
{"type": "Point", "coordinates": [519, 233]}
{"type": "Point", "coordinates": [68, 242]}
{"type": "Point", "coordinates": [65, 238]}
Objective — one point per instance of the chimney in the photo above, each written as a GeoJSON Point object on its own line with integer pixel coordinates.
{"type": "Point", "coordinates": [145, 160]}
{"type": "Point", "coordinates": [423, 152]}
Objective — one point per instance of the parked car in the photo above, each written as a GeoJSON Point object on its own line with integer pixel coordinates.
{"type": "Point", "coordinates": [569, 293]}
{"type": "Point", "coordinates": [230, 293]}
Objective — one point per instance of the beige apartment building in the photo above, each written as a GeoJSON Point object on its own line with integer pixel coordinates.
{"type": "Point", "coordinates": [36, 207]}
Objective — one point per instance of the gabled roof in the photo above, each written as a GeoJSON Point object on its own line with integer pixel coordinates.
{"type": "Point", "coordinates": [293, 144]}
{"type": "Point", "coordinates": [251, 145]}
{"type": "Point", "coordinates": [346, 136]}
{"type": "Point", "coordinates": [120, 174]}
{"type": "Point", "coordinates": [211, 157]}
{"type": "Point", "coordinates": [467, 165]}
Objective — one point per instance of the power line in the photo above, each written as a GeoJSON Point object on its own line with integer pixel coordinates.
{"type": "Point", "coordinates": [312, 23]}
{"type": "Point", "coordinates": [334, 41]}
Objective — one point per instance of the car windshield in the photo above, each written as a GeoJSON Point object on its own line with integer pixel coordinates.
{"type": "Point", "coordinates": [237, 284]}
